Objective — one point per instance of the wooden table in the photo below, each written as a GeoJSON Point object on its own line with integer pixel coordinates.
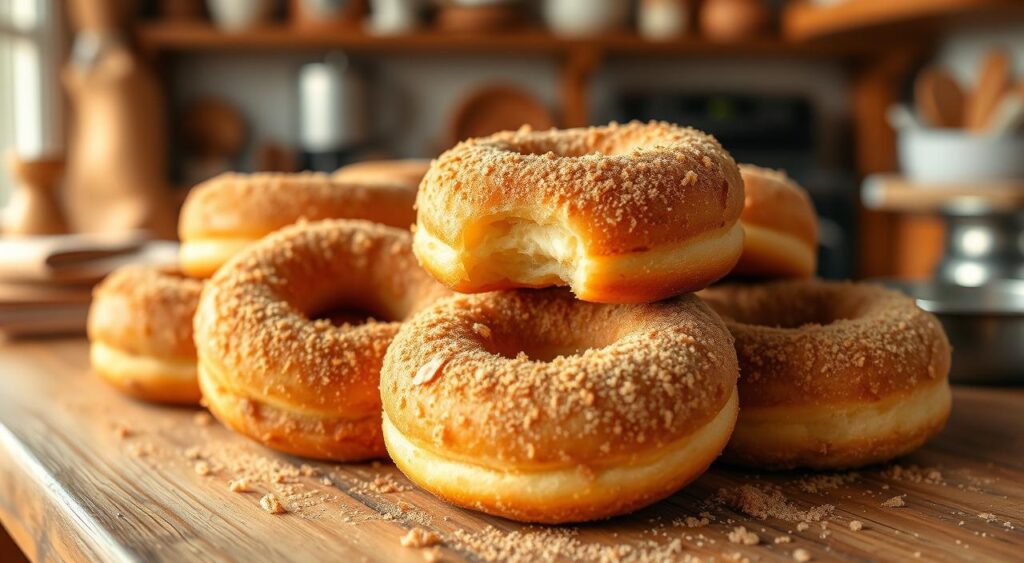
{"type": "Point", "coordinates": [86, 473]}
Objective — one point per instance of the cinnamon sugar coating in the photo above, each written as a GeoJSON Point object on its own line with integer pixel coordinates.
{"type": "Point", "coordinates": [620, 188]}
{"type": "Point", "coordinates": [812, 342]}
{"type": "Point", "coordinates": [253, 205]}
{"type": "Point", "coordinates": [297, 384]}
{"type": "Point", "coordinates": [535, 378]}
{"type": "Point", "coordinates": [145, 310]}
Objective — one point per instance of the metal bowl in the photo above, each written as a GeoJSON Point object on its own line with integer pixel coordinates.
{"type": "Point", "coordinates": [985, 325]}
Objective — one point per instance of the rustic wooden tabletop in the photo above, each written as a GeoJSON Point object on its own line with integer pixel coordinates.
{"type": "Point", "coordinates": [87, 473]}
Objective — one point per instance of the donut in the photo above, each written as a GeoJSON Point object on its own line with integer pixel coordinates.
{"type": "Point", "coordinates": [408, 172]}
{"type": "Point", "coordinates": [621, 214]}
{"type": "Point", "coordinates": [270, 370]}
{"type": "Point", "coordinates": [225, 214]}
{"type": "Point", "coordinates": [140, 333]}
{"type": "Point", "coordinates": [832, 375]}
{"type": "Point", "coordinates": [780, 226]}
{"type": "Point", "coordinates": [534, 406]}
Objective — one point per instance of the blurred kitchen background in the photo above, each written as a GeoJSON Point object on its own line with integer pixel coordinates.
{"type": "Point", "coordinates": [902, 118]}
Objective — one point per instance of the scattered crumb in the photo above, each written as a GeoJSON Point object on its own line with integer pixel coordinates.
{"type": "Point", "coordinates": [122, 430]}
{"type": "Point", "coordinates": [801, 554]}
{"type": "Point", "coordinates": [915, 474]}
{"type": "Point", "coordinates": [202, 468]}
{"type": "Point", "coordinates": [821, 483]}
{"type": "Point", "coordinates": [988, 516]}
{"type": "Point", "coordinates": [856, 525]}
{"type": "Point", "coordinates": [802, 526]}
{"type": "Point", "coordinates": [239, 486]}
{"type": "Point", "coordinates": [202, 419]}
{"type": "Point", "coordinates": [740, 534]}
{"type": "Point", "coordinates": [386, 484]}
{"type": "Point", "coordinates": [894, 502]}
{"type": "Point", "coordinates": [433, 555]}
{"type": "Point", "coordinates": [783, 539]}
{"type": "Point", "coordinates": [769, 502]}
{"type": "Point", "coordinates": [140, 450]}
{"type": "Point", "coordinates": [270, 503]}
{"type": "Point", "coordinates": [418, 537]}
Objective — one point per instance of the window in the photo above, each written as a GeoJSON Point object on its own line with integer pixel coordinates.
{"type": "Point", "coordinates": [30, 93]}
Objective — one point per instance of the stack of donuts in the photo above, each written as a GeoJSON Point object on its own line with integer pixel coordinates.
{"type": "Point", "coordinates": [548, 343]}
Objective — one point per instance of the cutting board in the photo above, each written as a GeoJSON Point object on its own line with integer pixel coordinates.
{"type": "Point", "coordinates": [87, 473]}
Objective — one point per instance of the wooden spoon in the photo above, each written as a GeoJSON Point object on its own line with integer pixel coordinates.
{"type": "Point", "coordinates": [940, 101]}
{"type": "Point", "coordinates": [993, 83]}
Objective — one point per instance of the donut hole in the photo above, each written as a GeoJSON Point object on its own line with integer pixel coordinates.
{"type": "Point", "coordinates": [351, 316]}
{"type": "Point", "coordinates": [789, 309]}
{"type": "Point", "coordinates": [523, 249]}
{"type": "Point", "coordinates": [568, 144]}
{"type": "Point", "coordinates": [566, 332]}
{"type": "Point", "coordinates": [539, 351]}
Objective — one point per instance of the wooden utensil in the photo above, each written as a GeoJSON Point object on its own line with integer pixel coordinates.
{"type": "Point", "coordinates": [940, 101]}
{"type": "Point", "coordinates": [993, 83]}
{"type": "Point", "coordinates": [1008, 115]}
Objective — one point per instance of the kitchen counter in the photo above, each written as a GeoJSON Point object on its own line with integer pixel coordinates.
{"type": "Point", "coordinates": [87, 473]}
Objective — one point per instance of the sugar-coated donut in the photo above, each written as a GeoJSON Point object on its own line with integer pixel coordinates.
{"type": "Point", "coordinates": [620, 214]}
{"type": "Point", "coordinates": [531, 405]}
{"type": "Point", "coordinates": [303, 386]}
{"type": "Point", "coordinates": [832, 375]}
{"type": "Point", "coordinates": [140, 333]}
{"type": "Point", "coordinates": [408, 172]}
{"type": "Point", "coordinates": [779, 224]}
{"type": "Point", "coordinates": [225, 214]}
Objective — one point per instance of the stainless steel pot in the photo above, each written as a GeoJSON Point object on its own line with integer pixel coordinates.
{"type": "Point", "coordinates": [985, 325]}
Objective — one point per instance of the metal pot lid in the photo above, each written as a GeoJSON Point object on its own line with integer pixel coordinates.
{"type": "Point", "coordinates": [999, 297]}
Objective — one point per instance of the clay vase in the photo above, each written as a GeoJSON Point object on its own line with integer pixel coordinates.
{"type": "Point", "coordinates": [734, 20]}
{"type": "Point", "coordinates": [33, 208]}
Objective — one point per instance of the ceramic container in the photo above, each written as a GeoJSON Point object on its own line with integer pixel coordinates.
{"type": "Point", "coordinates": [239, 15]}
{"type": "Point", "coordinates": [575, 18]}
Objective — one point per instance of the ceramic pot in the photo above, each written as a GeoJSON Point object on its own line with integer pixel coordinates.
{"type": "Point", "coordinates": [585, 17]}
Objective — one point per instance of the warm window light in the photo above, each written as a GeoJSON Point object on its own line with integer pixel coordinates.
{"type": "Point", "coordinates": [36, 92]}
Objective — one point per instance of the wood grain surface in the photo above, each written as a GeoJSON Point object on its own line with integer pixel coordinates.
{"type": "Point", "coordinates": [88, 474]}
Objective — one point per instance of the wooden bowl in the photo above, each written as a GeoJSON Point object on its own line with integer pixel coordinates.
{"type": "Point", "coordinates": [478, 18]}
{"type": "Point", "coordinates": [497, 107]}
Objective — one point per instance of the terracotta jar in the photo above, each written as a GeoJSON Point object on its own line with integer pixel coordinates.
{"type": "Point", "coordinates": [734, 20]}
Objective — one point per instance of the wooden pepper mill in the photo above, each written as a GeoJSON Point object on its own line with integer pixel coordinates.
{"type": "Point", "coordinates": [33, 208]}
{"type": "Point", "coordinates": [117, 154]}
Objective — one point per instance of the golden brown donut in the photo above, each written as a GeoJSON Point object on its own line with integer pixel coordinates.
{"type": "Point", "coordinates": [780, 226]}
{"type": "Point", "coordinates": [298, 385]}
{"type": "Point", "coordinates": [623, 213]}
{"type": "Point", "coordinates": [140, 333]}
{"type": "Point", "coordinates": [531, 405]}
{"type": "Point", "coordinates": [832, 375]}
{"type": "Point", "coordinates": [408, 172]}
{"type": "Point", "coordinates": [225, 214]}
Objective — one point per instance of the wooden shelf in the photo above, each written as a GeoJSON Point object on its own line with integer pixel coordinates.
{"type": "Point", "coordinates": [803, 20]}
{"type": "Point", "coordinates": [160, 37]}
